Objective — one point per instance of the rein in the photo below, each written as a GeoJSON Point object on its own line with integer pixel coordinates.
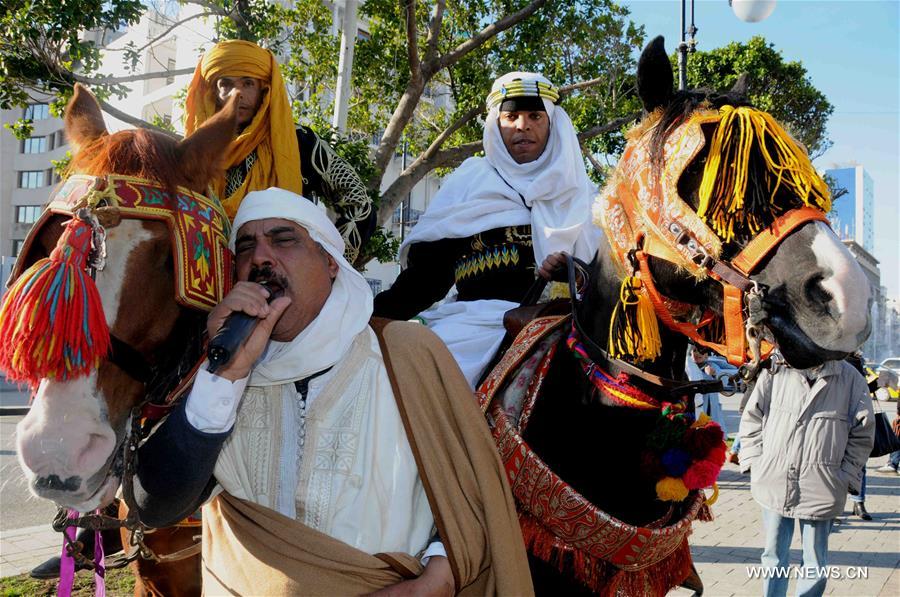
{"type": "Point", "coordinates": [615, 368]}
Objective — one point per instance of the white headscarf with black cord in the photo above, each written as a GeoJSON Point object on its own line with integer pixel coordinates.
{"type": "Point", "coordinates": [552, 193]}
{"type": "Point", "coordinates": [346, 311]}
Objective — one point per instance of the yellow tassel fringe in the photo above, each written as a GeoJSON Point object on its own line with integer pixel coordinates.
{"type": "Point", "coordinates": [634, 329]}
{"type": "Point", "coordinates": [723, 188]}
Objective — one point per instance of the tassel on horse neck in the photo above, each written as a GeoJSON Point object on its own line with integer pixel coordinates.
{"type": "Point", "coordinates": [52, 323]}
{"type": "Point", "coordinates": [634, 329]}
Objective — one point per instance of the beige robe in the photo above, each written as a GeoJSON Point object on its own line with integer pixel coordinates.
{"type": "Point", "coordinates": [252, 550]}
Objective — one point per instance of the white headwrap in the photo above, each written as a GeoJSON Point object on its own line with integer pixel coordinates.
{"type": "Point", "coordinates": [346, 311]}
{"type": "Point", "coordinates": [496, 191]}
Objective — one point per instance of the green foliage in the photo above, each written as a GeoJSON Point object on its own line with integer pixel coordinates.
{"type": "Point", "coordinates": [780, 87]}
{"type": "Point", "coordinates": [61, 165]}
{"type": "Point", "coordinates": [21, 129]}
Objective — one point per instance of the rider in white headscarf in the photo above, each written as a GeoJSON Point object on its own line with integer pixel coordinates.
{"type": "Point", "coordinates": [492, 222]}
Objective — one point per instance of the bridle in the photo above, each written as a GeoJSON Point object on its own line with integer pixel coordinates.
{"type": "Point", "coordinates": [742, 311]}
{"type": "Point", "coordinates": [196, 223]}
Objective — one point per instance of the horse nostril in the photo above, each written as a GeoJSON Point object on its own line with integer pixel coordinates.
{"type": "Point", "coordinates": [54, 483]}
{"type": "Point", "coordinates": [815, 293]}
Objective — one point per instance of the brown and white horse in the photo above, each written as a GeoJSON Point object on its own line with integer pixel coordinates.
{"type": "Point", "coordinates": [70, 443]}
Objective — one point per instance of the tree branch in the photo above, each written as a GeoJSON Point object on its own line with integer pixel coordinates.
{"type": "Point", "coordinates": [608, 127]}
{"type": "Point", "coordinates": [566, 89]}
{"type": "Point", "coordinates": [164, 33]}
{"type": "Point", "coordinates": [116, 113]}
{"type": "Point", "coordinates": [412, 37]}
{"type": "Point", "coordinates": [103, 80]}
{"type": "Point", "coordinates": [485, 34]}
{"type": "Point", "coordinates": [434, 30]}
{"type": "Point", "coordinates": [460, 122]}
{"type": "Point", "coordinates": [417, 171]}
{"type": "Point", "coordinates": [597, 165]}
{"type": "Point", "coordinates": [410, 98]}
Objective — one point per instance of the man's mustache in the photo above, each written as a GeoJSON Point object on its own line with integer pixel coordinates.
{"type": "Point", "coordinates": [264, 275]}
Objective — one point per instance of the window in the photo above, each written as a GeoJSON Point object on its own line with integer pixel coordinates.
{"type": "Point", "coordinates": [37, 112]}
{"type": "Point", "coordinates": [374, 284]}
{"type": "Point", "coordinates": [31, 179]}
{"type": "Point", "coordinates": [34, 145]}
{"type": "Point", "coordinates": [60, 138]}
{"type": "Point", "coordinates": [17, 246]}
{"type": "Point", "coordinates": [170, 66]}
{"type": "Point", "coordinates": [27, 214]}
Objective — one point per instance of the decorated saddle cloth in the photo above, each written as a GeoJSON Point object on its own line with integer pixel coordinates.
{"type": "Point", "coordinates": [559, 525]}
{"type": "Point", "coordinates": [252, 549]}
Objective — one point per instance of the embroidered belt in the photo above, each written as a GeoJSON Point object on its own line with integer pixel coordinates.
{"type": "Point", "coordinates": [495, 257]}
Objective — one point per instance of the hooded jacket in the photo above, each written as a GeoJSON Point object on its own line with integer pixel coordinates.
{"type": "Point", "coordinates": [805, 438]}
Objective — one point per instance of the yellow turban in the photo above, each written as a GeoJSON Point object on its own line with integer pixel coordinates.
{"type": "Point", "coordinates": [271, 132]}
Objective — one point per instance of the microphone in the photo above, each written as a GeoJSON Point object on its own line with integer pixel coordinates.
{"type": "Point", "coordinates": [237, 327]}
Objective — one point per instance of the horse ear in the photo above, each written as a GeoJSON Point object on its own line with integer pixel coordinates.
{"type": "Point", "coordinates": [741, 86]}
{"type": "Point", "coordinates": [655, 80]}
{"type": "Point", "coordinates": [83, 119]}
{"type": "Point", "coordinates": [202, 153]}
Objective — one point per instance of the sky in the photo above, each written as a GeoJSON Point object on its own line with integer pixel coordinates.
{"type": "Point", "coordinates": [851, 51]}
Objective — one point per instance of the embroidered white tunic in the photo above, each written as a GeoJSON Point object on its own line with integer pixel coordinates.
{"type": "Point", "coordinates": [339, 461]}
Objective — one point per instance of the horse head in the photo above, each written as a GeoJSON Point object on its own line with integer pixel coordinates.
{"type": "Point", "coordinates": [134, 185]}
{"type": "Point", "coordinates": [716, 215]}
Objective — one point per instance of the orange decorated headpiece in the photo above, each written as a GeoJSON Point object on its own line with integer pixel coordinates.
{"type": "Point", "coordinates": [271, 132]}
{"type": "Point", "coordinates": [642, 212]}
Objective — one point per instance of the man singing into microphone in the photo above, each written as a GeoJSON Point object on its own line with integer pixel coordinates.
{"type": "Point", "coordinates": [335, 455]}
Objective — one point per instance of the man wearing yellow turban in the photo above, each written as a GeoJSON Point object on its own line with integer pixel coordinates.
{"type": "Point", "coordinates": [269, 150]}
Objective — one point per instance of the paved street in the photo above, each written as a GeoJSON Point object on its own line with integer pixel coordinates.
{"type": "Point", "coordinates": [723, 549]}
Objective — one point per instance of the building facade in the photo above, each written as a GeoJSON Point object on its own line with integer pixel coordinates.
{"type": "Point", "coordinates": [852, 214]}
{"type": "Point", "coordinates": [27, 174]}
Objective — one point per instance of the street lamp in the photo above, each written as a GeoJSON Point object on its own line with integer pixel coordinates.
{"type": "Point", "coordinates": [749, 11]}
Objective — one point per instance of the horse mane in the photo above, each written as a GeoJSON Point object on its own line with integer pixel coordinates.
{"type": "Point", "coordinates": [135, 152]}
{"type": "Point", "coordinates": [680, 108]}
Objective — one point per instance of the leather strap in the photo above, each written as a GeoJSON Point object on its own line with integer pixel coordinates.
{"type": "Point", "coordinates": [129, 360]}
{"type": "Point", "coordinates": [763, 243]}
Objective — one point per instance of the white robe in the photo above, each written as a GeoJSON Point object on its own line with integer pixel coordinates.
{"type": "Point", "coordinates": [345, 469]}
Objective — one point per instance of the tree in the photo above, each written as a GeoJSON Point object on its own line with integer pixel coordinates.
{"type": "Point", "coordinates": [782, 88]}
{"type": "Point", "coordinates": [417, 56]}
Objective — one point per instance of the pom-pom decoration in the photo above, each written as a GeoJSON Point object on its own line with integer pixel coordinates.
{"type": "Point", "coordinates": [682, 454]}
{"type": "Point", "coordinates": [670, 489]}
{"type": "Point", "coordinates": [676, 461]}
{"type": "Point", "coordinates": [51, 320]}
{"type": "Point", "coordinates": [702, 473]}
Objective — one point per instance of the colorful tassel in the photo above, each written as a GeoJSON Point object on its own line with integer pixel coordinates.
{"type": "Point", "coordinates": [634, 329]}
{"type": "Point", "coordinates": [751, 159]}
{"type": "Point", "coordinates": [52, 323]}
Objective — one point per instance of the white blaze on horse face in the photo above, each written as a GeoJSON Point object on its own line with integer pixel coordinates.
{"type": "Point", "coordinates": [66, 439]}
{"type": "Point", "coordinates": [121, 241]}
{"type": "Point", "coordinates": [849, 288]}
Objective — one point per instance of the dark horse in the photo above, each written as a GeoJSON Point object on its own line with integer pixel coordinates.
{"type": "Point", "coordinates": [151, 261]}
{"type": "Point", "coordinates": [810, 301]}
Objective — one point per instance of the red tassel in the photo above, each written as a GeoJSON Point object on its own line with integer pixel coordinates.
{"type": "Point", "coordinates": [600, 576]}
{"type": "Point", "coordinates": [52, 323]}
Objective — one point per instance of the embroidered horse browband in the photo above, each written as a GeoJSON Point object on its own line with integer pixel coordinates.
{"type": "Point", "coordinates": [198, 227]}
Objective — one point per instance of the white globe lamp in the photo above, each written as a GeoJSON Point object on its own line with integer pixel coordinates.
{"type": "Point", "coordinates": [752, 11]}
